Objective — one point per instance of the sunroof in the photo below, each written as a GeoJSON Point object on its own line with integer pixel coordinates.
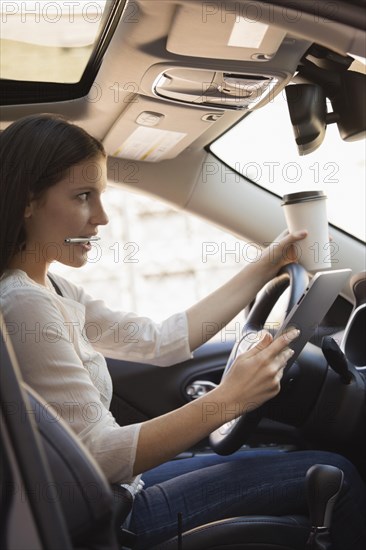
{"type": "Point", "coordinates": [52, 43]}
{"type": "Point", "coordinates": [48, 41]}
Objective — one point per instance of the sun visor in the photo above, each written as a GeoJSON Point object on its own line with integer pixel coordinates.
{"type": "Point", "coordinates": [151, 132]}
{"type": "Point", "coordinates": [221, 31]}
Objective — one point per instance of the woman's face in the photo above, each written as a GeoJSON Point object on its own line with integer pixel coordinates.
{"type": "Point", "coordinates": [70, 208]}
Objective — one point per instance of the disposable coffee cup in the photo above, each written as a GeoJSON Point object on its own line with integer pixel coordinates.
{"type": "Point", "coordinates": [308, 210]}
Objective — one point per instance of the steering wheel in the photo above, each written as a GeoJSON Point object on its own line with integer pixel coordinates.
{"type": "Point", "coordinates": [231, 436]}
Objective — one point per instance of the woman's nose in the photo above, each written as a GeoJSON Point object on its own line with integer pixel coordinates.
{"type": "Point", "coordinates": [99, 216]}
{"type": "Point", "coordinates": [104, 217]}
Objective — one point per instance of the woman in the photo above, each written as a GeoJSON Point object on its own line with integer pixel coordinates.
{"type": "Point", "coordinates": [53, 176]}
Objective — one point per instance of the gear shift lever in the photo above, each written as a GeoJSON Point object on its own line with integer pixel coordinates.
{"type": "Point", "coordinates": [323, 485]}
{"type": "Point", "coordinates": [336, 359]}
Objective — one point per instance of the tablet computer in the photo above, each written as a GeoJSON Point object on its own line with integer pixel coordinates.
{"type": "Point", "coordinates": [311, 307]}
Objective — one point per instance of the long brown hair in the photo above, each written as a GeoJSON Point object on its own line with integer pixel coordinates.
{"type": "Point", "coordinates": [35, 153]}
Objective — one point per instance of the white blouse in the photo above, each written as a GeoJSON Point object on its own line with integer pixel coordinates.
{"type": "Point", "coordinates": [60, 343]}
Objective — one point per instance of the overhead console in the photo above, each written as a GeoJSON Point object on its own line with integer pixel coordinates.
{"type": "Point", "coordinates": [206, 87]}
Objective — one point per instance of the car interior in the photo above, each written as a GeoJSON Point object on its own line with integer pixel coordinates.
{"type": "Point", "coordinates": [163, 83]}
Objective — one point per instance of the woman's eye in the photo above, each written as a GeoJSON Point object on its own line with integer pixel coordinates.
{"type": "Point", "coordinates": [84, 196]}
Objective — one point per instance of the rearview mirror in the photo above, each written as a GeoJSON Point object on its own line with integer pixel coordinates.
{"type": "Point", "coordinates": [349, 104]}
{"type": "Point", "coordinates": [308, 111]}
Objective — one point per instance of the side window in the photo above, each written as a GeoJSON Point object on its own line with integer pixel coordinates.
{"type": "Point", "coordinates": [155, 260]}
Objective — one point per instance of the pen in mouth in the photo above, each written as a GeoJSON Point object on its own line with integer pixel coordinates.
{"type": "Point", "coordinates": [75, 240]}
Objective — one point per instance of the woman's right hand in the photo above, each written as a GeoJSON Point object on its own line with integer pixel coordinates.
{"type": "Point", "coordinates": [255, 375]}
{"type": "Point", "coordinates": [253, 378]}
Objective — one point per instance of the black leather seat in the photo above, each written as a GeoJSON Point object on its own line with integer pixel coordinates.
{"type": "Point", "coordinates": [88, 502]}
{"type": "Point", "coordinates": [246, 533]}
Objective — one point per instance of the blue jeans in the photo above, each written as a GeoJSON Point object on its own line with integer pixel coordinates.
{"type": "Point", "coordinates": [211, 487]}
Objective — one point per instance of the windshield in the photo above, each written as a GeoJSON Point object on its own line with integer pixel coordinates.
{"type": "Point", "coordinates": [263, 148]}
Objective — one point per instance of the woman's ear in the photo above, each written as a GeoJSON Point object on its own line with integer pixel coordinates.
{"type": "Point", "coordinates": [28, 211]}
{"type": "Point", "coordinates": [29, 208]}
